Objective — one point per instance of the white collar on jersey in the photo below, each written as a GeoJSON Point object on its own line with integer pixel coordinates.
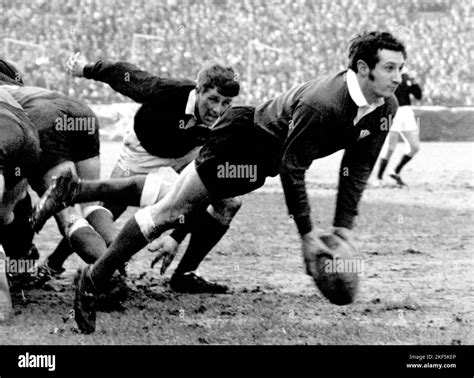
{"type": "Point", "coordinates": [356, 93]}
{"type": "Point", "coordinates": [191, 104]}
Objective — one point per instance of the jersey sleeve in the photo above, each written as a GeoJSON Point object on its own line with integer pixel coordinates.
{"type": "Point", "coordinates": [131, 81]}
{"type": "Point", "coordinates": [296, 161]}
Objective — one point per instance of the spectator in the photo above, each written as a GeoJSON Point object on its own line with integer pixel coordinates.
{"type": "Point", "coordinates": [188, 33]}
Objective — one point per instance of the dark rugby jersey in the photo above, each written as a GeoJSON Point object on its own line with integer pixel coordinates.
{"type": "Point", "coordinates": [314, 120]}
{"type": "Point", "coordinates": [19, 145]}
{"type": "Point", "coordinates": [68, 129]}
{"type": "Point", "coordinates": [161, 122]}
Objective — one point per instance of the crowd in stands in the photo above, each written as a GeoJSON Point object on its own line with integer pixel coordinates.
{"type": "Point", "coordinates": [273, 44]}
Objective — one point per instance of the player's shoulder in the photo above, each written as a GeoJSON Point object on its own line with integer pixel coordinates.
{"type": "Point", "coordinates": [326, 92]}
{"type": "Point", "coordinates": [172, 90]}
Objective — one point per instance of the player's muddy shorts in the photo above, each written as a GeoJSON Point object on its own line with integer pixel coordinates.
{"type": "Point", "coordinates": [238, 156]}
{"type": "Point", "coordinates": [135, 160]}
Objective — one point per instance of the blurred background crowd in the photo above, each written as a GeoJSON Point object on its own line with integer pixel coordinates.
{"type": "Point", "coordinates": [273, 44]}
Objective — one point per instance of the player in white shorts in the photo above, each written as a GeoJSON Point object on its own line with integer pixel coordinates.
{"type": "Point", "coordinates": [404, 125]}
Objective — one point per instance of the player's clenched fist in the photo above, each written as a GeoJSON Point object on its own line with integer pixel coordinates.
{"type": "Point", "coordinates": [75, 65]}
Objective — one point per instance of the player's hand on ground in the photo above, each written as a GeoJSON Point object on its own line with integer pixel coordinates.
{"type": "Point", "coordinates": [75, 65]}
{"type": "Point", "coordinates": [167, 248]}
{"type": "Point", "coordinates": [312, 246]}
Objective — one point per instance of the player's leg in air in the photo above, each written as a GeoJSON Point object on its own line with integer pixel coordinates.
{"type": "Point", "coordinates": [80, 235]}
{"type": "Point", "coordinates": [119, 192]}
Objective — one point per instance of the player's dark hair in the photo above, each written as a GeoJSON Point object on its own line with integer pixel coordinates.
{"type": "Point", "coordinates": [365, 47]}
{"type": "Point", "coordinates": [222, 78]}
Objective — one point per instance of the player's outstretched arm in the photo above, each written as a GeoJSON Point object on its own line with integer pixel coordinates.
{"type": "Point", "coordinates": [126, 78]}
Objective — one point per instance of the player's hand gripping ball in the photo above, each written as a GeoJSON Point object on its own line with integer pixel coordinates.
{"type": "Point", "coordinates": [335, 268]}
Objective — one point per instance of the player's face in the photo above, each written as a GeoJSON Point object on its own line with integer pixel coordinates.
{"type": "Point", "coordinates": [386, 75]}
{"type": "Point", "coordinates": [211, 104]}
{"type": "Point", "coordinates": [10, 199]}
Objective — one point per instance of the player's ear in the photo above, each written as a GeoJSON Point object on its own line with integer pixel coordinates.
{"type": "Point", "coordinates": [362, 68]}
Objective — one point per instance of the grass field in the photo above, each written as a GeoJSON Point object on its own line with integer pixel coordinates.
{"type": "Point", "coordinates": [416, 287]}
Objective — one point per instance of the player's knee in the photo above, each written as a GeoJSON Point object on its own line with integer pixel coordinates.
{"type": "Point", "coordinates": [75, 224]}
{"type": "Point", "coordinates": [101, 219]}
{"type": "Point", "coordinates": [414, 149]}
{"type": "Point", "coordinates": [153, 220]}
{"type": "Point", "coordinates": [389, 152]}
{"type": "Point", "coordinates": [224, 211]}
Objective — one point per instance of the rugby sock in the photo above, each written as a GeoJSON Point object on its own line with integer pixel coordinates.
{"type": "Point", "coordinates": [60, 254]}
{"type": "Point", "coordinates": [185, 225]}
{"type": "Point", "coordinates": [129, 241]}
{"type": "Point", "coordinates": [87, 243]}
{"type": "Point", "coordinates": [179, 233]}
{"type": "Point", "coordinates": [382, 166]}
{"type": "Point", "coordinates": [123, 190]}
{"type": "Point", "coordinates": [205, 235]}
{"type": "Point", "coordinates": [102, 220]}
{"type": "Point", "coordinates": [405, 159]}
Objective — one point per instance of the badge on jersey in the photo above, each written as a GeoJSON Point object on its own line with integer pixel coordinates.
{"type": "Point", "coordinates": [364, 133]}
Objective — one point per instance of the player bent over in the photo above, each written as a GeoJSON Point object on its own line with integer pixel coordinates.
{"type": "Point", "coordinates": [174, 121]}
{"type": "Point", "coordinates": [283, 135]}
{"type": "Point", "coordinates": [19, 155]}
